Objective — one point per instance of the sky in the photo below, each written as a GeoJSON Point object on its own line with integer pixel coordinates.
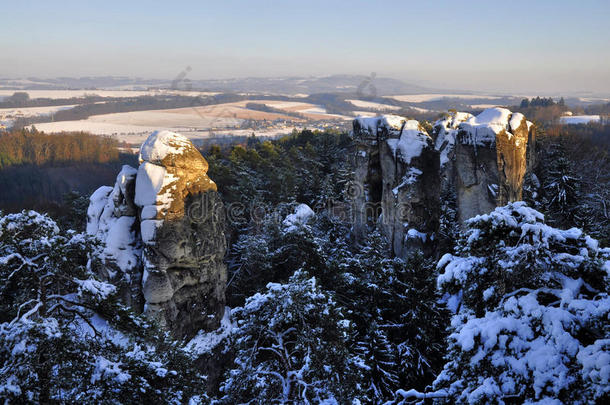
{"type": "Point", "coordinates": [535, 45]}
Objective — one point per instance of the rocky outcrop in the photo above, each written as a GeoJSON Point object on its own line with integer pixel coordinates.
{"type": "Point", "coordinates": [396, 183]}
{"type": "Point", "coordinates": [162, 233]}
{"type": "Point", "coordinates": [400, 173]}
{"type": "Point", "coordinates": [445, 131]}
{"type": "Point", "coordinates": [486, 156]}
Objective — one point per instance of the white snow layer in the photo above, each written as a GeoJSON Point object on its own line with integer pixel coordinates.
{"type": "Point", "coordinates": [205, 342]}
{"type": "Point", "coordinates": [149, 181]}
{"type": "Point", "coordinates": [483, 128]}
{"type": "Point", "coordinates": [162, 143]}
{"type": "Point", "coordinates": [579, 119]}
{"type": "Point", "coordinates": [480, 130]}
{"type": "Point", "coordinates": [116, 233]}
{"type": "Point", "coordinates": [386, 121]}
{"type": "Point", "coordinates": [413, 139]}
{"type": "Point", "coordinates": [301, 215]}
{"type": "Point", "coordinates": [447, 130]}
{"type": "Point", "coordinates": [406, 140]}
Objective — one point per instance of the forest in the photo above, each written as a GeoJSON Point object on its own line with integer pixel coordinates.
{"type": "Point", "coordinates": [317, 318]}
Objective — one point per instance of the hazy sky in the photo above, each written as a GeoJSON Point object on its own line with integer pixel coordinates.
{"type": "Point", "coordinates": [560, 45]}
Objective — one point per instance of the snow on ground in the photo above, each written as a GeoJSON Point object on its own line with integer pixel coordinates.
{"type": "Point", "coordinates": [56, 94]}
{"type": "Point", "coordinates": [34, 111]}
{"type": "Point", "coordinates": [423, 110]}
{"type": "Point", "coordinates": [366, 114]}
{"type": "Point", "coordinates": [204, 342]}
{"type": "Point", "coordinates": [195, 122]}
{"type": "Point", "coordinates": [594, 99]}
{"type": "Point", "coordinates": [9, 115]}
{"type": "Point", "coordinates": [134, 134]}
{"type": "Point", "coordinates": [97, 128]}
{"type": "Point", "coordinates": [142, 123]}
{"type": "Point", "coordinates": [287, 105]}
{"type": "Point", "coordinates": [419, 98]}
{"type": "Point", "coordinates": [372, 105]}
{"type": "Point", "coordinates": [579, 119]}
{"type": "Point", "coordinates": [483, 106]}
{"type": "Point", "coordinates": [301, 215]}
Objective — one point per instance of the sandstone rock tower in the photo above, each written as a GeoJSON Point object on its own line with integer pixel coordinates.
{"type": "Point", "coordinates": [162, 233]}
{"type": "Point", "coordinates": [400, 172]}
{"type": "Point", "coordinates": [485, 157]}
{"type": "Point", "coordinates": [396, 182]}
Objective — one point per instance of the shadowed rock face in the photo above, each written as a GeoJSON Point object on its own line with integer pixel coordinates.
{"type": "Point", "coordinates": [396, 182]}
{"type": "Point", "coordinates": [178, 229]}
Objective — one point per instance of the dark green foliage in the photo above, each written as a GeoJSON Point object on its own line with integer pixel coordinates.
{"type": "Point", "coordinates": [573, 179]}
{"type": "Point", "coordinates": [308, 167]}
{"type": "Point", "coordinates": [393, 304]}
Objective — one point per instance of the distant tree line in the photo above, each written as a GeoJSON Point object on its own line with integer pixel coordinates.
{"type": "Point", "coordinates": [541, 102]}
{"type": "Point", "coordinates": [598, 109]}
{"type": "Point", "coordinates": [266, 108]}
{"type": "Point", "coordinates": [25, 146]}
{"type": "Point", "coordinates": [542, 111]}
{"type": "Point", "coordinates": [21, 99]}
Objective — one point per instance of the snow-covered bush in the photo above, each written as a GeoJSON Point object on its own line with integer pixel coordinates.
{"type": "Point", "coordinates": [290, 347]}
{"type": "Point", "coordinates": [531, 311]}
{"type": "Point", "coordinates": [64, 338]}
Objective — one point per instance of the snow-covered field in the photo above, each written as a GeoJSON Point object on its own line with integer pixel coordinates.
{"type": "Point", "coordinates": [369, 105]}
{"type": "Point", "coordinates": [9, 115]}
{"type": "Point", "coordinates": [136, 134]}
{"type": "Point", "coordinates": [57, 94]}
{"type": "Point", "coordinates": [33, 111]}
{"type": "Point", "coordinates": [365, 113]}
{"type": "Point", "coordinates": [193, 122]}
{"type": "Point", "coordinates": [579, 119]}
{"type": "Point", "coordinates": [420, 98]}
{"type": "Point", "coordinates": [484, 106]}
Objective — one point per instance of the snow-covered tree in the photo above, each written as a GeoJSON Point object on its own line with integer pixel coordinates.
{"type": "Point", "coordinates": [398, 323]}
{"type": "Point", "coordinates": [291, 347]}
{"type": "Point", "coordinates": [269, 251]}
{"type": "Point", "coordinates": [531, 311]}
{"type": "Point", "coordinates": [64, 338]}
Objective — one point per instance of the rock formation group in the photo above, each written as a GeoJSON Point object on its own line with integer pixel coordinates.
{"type": "Point", "coordinates": [402, 171]}
{"type": "Point", "coordinates": [161, 226]}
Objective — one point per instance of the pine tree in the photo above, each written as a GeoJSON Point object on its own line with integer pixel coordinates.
{"type": "Point", "coordinates": [291, 347]}
{"type": "Point", "coordinates": [64, 336]}
{"type": "Point", "coordinates": [530, 307]}
{"type": "Point", "coordinates": [561, 187]}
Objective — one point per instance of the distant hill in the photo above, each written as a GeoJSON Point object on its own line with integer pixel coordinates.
{"type": "Point", "coordinates": [367, 86]}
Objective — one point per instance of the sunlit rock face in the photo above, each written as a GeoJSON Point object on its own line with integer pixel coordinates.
{"type": "Point", "coordinates": [396, 182]}
{"type": "Point", "coordinates": [490, 160]}
{"type": "Point", "coordinates": [401, 173]}
{"type": "Point", "coordinates": [176, 236]}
